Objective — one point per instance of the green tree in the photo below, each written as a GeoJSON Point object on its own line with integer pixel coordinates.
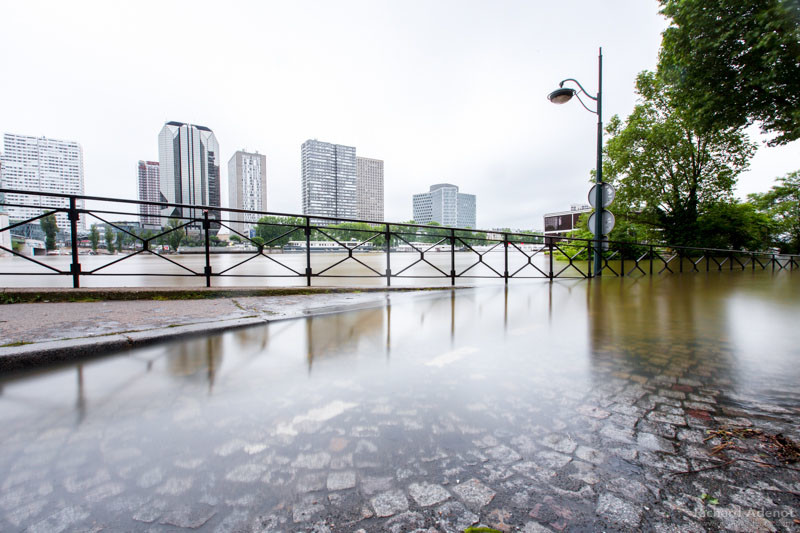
{"type": "Point", "coordinates": [122, 239]}
{"type": "Point", "coordinates": [735, 62]}
{"type": "Point", "coordinates": [50, 227]}
{"type": "Point", "coordinates": [782, 204]}
{"type": "Point", "coordinates": [271, 230]}
{"type": "Point", "coordinates": [735, 226]}
{"type": "Point", "coordinates": [109, 239]}
{"type": "Point", "coordinates": [235, 238]}
{"type": "Point", "coordinates": [174, 237]}
{"type": "Point", "coordinates": [665, 169]}
{"type": "Point", "coordinates": [94, 237]}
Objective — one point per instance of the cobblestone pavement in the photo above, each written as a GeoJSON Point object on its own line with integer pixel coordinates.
{"type": "Point", "coordinates": [562, 407]}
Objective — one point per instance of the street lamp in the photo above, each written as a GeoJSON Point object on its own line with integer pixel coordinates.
{"type": "Point", "coordinates": [562, 95]}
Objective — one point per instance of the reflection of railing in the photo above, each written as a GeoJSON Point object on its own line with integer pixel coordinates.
{"type": "Point", "coordinates": [626, 260]}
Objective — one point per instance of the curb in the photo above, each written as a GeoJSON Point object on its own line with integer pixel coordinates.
{"type": "Point", "coordinates": [29, 356]}
{"type": "Point", "coordinates": [11, 295]}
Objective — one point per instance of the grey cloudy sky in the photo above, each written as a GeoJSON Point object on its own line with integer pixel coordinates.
{"type": "Point", "coordinates": [440, 90]}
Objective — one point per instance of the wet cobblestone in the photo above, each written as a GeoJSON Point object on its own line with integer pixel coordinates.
{"type": "Point", "coordinates": [606, 446]}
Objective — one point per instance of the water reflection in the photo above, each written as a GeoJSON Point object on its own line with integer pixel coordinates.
{"type": "Point", "coordinates": [546, 394]}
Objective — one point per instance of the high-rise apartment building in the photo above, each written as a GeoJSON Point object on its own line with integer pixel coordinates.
{"type": "Point", "coordinates": [445, 205]}
{"type": "Point", "coordinates": [149, 192]}
{"type": "Point", "coordinates": [42, 165]}
{"type": "Point", "coordinates": [247, 188]}
{"type": "Point", "coordinates": [369, 188]}
{"type": "Point", "coordinates": [328, 179]}
{"type": "Point", "coordinates": [188, 157]}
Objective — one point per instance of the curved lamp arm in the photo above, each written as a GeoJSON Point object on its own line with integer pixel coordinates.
{"type": "Point", "coordinates": [579, 85]}
{"type": "Point", "coordinates": [578, 96]}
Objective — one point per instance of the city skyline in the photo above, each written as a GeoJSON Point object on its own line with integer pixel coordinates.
{"type": "Point", "coordinates": [467, 107]}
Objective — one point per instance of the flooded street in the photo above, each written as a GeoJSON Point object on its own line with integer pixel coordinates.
{"type": "Point", "coordinates": [573, 405]}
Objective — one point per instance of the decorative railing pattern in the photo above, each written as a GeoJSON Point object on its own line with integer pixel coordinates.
{"type": "Point", "coordinates": [574, 255]}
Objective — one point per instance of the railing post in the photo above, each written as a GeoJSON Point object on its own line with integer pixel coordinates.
{"type": "Point", "coordinates": [622, 260]}
{"type": "Point", "coordinates": [75, 267]}
{"type": "Point", "coordinates": [550, 246]}
{"type": "Point", "coordinates": [452, 257]}
{"type": "Point", "coordinates": [207, 228]}
{"type": "Point", "coordinates": [388, 256]}
{"type": "Point", "coordinates": [753, 260]}
{"type": "Point", "coordinates": [708, 262]}
{"type": "Point", "coordinates": [772, 260]}
{"type": "Point", "coordinates": [589, 256]}
{"type": "Point", "coordinates": [308, 251]}
{"type": "Point", "coordinates": [680, 261]}
{"type": "Point", "coordinates": [651, 259]}
{"type": "Point", "coordinates": [505, 246]}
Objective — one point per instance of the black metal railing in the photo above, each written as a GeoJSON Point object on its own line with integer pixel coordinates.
{"type": "Point", "coordinates": [536, 256]}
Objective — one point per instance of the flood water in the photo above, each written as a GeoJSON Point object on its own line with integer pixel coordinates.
{"type": "Point", "coordinates": [284, 269]}
{"type": "Point", "coordinates": [558, 405]}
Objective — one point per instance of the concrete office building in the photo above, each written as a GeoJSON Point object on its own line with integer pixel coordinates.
{"type": "Point", "coordinates": [43, 165]}
{"type": "Point", "coordinates": [188, 157]}
{"type": "Point", "coordinates": [247, 188]}
{"type": "Point", "coordinates": [562, 222]}
{"type": "Point", "coordinates": [445, 205]}
{"type": "Point", "coordinates": [148, 192]}
{"type": "Point", "coordinates": [369, 188]}
{"type": "Point", "coordinates": [328, 180]}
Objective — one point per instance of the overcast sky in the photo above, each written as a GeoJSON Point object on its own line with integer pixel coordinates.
{"type": "Point", "coordinates": [449, 91]}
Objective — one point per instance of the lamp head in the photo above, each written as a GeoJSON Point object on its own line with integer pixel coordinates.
{"type": "Point", "coordinates": [561, 96]}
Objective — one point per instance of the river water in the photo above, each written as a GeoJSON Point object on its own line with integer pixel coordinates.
{"type": "Point", "coordinates": [288, 269]}
{"type": "Point", "coordinates": [560, 405]}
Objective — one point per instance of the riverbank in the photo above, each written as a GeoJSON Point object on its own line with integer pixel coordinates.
{"type": "Point", "coordinates": [46, 326]}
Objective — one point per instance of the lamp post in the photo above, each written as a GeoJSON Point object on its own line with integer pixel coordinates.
{"type": "Point", "coordinates": [562, 95]}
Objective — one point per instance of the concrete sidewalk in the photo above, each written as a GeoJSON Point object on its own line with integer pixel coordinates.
{"type": "Point", "coordinates": [104, 320]}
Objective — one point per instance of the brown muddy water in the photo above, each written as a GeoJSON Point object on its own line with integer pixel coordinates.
{"type": "Point", "coordinates": [541, 407]}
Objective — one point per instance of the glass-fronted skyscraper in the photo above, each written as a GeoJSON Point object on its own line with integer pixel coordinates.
{"type": "Point", "coordinates": [369, 188]}
{"type": "Point", "coordinates": [247, 188]}
{"type": "Point", "coordinates": [43, 165]}
{"type": "Point", "coordinates": [444, 205]}
{"type": "Point", "coordinates": [328, 176]}
{"type": "Point", "coordinates": [148, 192]}
{"type": "Point", "coordinates": [188, 157]}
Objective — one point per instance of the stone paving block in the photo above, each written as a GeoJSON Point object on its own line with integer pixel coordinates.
{"type": "Point", "coordinates": [188, 516]}
{"type": "Point", "coordinates": [61, 520]}
{"type": "Point", "coordinates": [474, 493]}
{"type": "Point", "coordinates": [341, 480]}
{"type": "Point", "coordinates": [590, 455]}
{"type": "Point", "coordinates": [306, 509]}
{"type": "Point", "coordinates": [503, 454]}
{"type": "Point", "coordinates": [373, 484]}
{"type": "Point", "coordinates": [667, 418]}
{"type": "Point", "coordinates": [552, 460]}
{"type": "Point", "coordinates": [389, 503]}
{"type": "Point", "coordinates": [560, 443]}
{"type": "Point", "coordinates": [453, 517]}
{"type": "Point", "coordinates": [427, 494]}
{"type": "Point", "coordinates": [593, 411]}
{"type": "Point", "coordinates": [312, 461]}
{"type": "Point", "coordinates": [310, 482]}
{"type": "Point", "coordinates": [405, 522]}
{"type": "Point", "coordinates": [247, 473]}
{"type": "Point", "coordinates": [651, 442]}
{"type": "Point", "coordinates": [618, 512]}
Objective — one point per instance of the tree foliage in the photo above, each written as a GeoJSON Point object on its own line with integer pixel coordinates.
{"type": "Point", "coordinates": [176, 236]}
{"type": "Point", "coordinates": [782, 205]}
{"type": "Point", "coordinates": [735, 62]}
{"type": "Point", "coordinates": [666, 170]}
{"type": "Point", "coordinates": [272, 231]}
{"type": "Point", "coordinates": [49, 226]}
{"type": "Point", "coordinates": [109, 239]}
{"type": "Point", "coordinates": [94, 237]}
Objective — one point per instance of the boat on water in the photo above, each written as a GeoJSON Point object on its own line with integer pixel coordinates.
{"type": "Point", "coordinates": [328, 246]}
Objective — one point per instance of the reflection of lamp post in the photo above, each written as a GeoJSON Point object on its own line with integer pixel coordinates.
{"type": "Point", "coordinates": [563, 95]}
